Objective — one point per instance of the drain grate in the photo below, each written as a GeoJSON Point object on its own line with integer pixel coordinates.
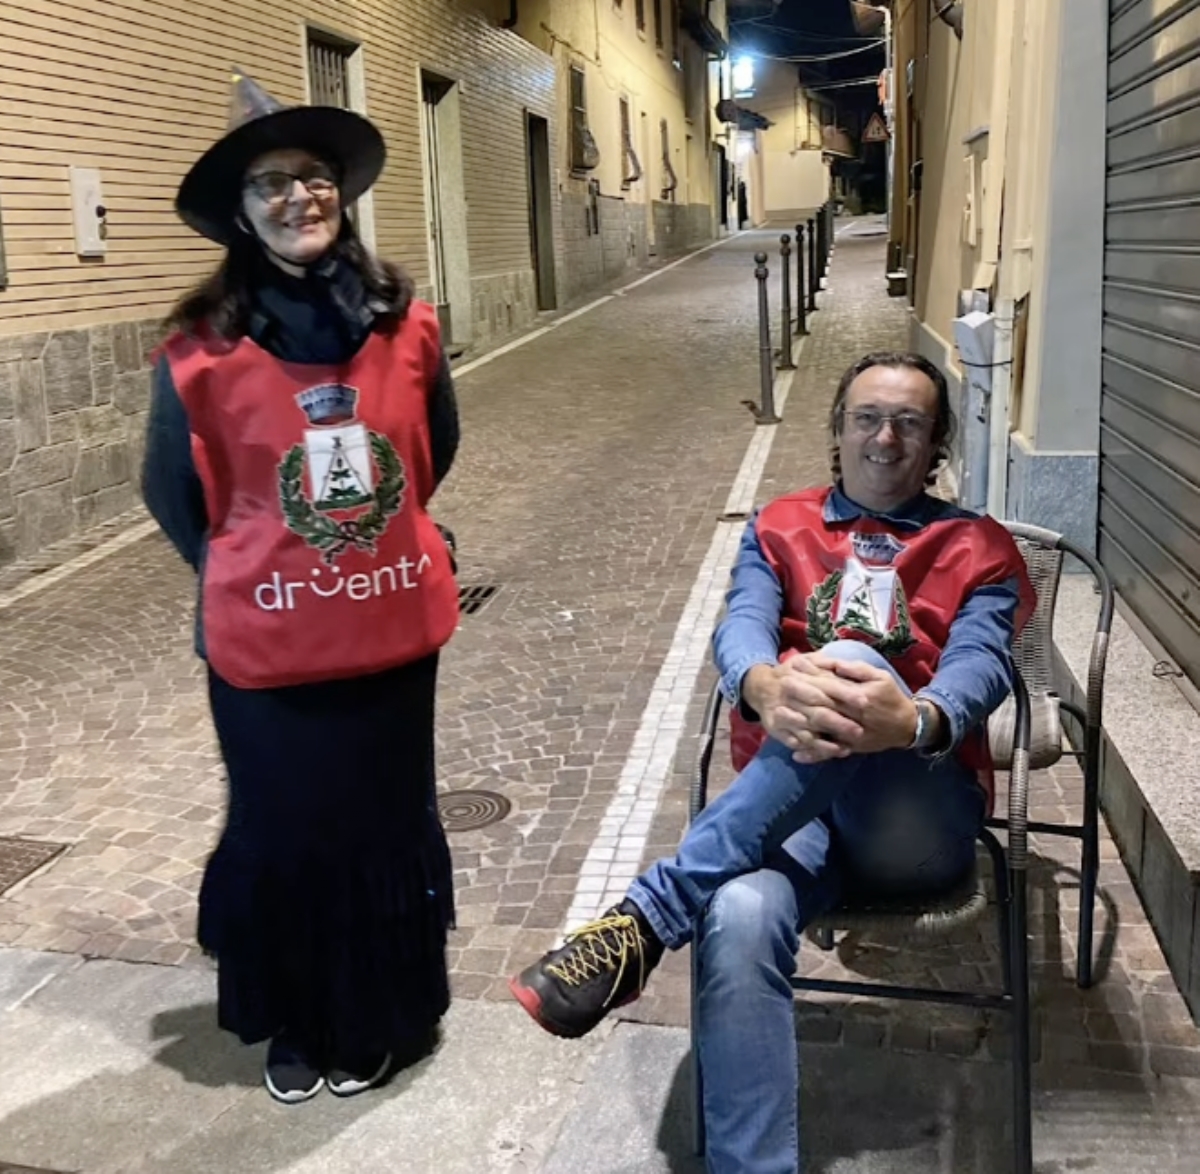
{"type": "Point", "coordinates": [18, 858]}
{"type": "Point", "coordinates": [466, 811]}
{"type": "Point", "coordinates": [472, 600]}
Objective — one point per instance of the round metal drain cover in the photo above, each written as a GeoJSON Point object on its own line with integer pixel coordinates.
{"type": "Point", "coordinates": [464, 811]}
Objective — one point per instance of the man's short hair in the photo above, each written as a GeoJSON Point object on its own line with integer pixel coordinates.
{"type": "Point", "coordinates": [945, 425]}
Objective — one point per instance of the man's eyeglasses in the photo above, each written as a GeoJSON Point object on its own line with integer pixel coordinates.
{"type": "Point", "coordinates": [275, 187]}
{"type": "Point", "coordinates": [869, 422]}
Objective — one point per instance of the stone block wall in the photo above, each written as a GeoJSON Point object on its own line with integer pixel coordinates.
{"type": "Point", "coordinates": [592, 260]}
{"type": "Point", "coordinates": [73, 409]}
{"type": "Point", "coordinates": [680, 227]}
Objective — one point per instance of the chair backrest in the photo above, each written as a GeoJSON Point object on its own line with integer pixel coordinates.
{"type": "Point", "coordinates": [1034, 647]}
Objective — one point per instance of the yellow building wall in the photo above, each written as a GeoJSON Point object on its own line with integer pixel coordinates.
{"type": "Point", "coordinates": [795, 176]}
{"type": "Point", "coordinates": [138, 88]}
{"type": "Point", "coordinates": [621, 61]}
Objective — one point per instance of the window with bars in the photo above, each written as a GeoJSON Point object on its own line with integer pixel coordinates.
{"type": "Point", "coordinates": [658, 23]}
{"type": "Point", "coordinates": [640, 12]}
{"type": "Point", "coordinates": [328, 70]}
{"type": "Point", "coordinates": [585, 155]}
{"type": "Point", "coordinates": [670, 179]}
{"type": "Point", "coordinates": [631, 167]}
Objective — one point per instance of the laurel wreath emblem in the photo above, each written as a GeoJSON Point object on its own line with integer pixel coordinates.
{"type": "Point", "coordinates": [326, 534]}
{"type": "Point", "coordinates": [821, 631]}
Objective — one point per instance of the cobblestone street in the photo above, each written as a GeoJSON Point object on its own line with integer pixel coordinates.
{"type": "Point", "coordinates": [596, 462]}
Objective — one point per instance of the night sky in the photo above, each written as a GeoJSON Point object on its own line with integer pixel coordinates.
{"type": "Point", "coordinates": [810, 28]}
{"type": "Point", "coordinates": [816, 27]}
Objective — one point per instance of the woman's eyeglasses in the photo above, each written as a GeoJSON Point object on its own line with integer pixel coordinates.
{"type": "Point", "coordinates": [869, 422]}
{"type": "Point", "coordinates": [276, 187]}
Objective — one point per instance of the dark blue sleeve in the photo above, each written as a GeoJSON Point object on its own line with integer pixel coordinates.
{"type": "Point", "coordinates": [170, 484]}
{"type": "Point", "coordinates": [749, 633]}
{"type": "Point", "coordinates": [975, 671]}
{"type": "Point", "coordinates": [443, 422]}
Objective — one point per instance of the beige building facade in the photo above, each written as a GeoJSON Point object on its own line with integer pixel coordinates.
{"type": "Point", "coordinates": [639, 167]}
{"type": "Point", "coordinates": [1047, 205]}
{"type": "Point", "coordinates": [784, 164]}
{"type": "Point", "coordinates": [105, 108]}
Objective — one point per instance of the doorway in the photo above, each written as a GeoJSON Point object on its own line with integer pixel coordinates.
{"type": "Point", "coordinates": [541, 215]}
{"type": "Point", "coordinates": [446, 205]}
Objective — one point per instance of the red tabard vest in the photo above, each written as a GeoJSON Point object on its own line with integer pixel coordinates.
{"type": "Point", "coordinates": [838, 584]}
{"type": "Point", "coordinates": [322, 562]}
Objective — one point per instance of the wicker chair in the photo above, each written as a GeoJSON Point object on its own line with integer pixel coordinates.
{"type": "Point", "coordinates": [1044, 551]}
{"type": "Point", "coordinates": [1025, 733]}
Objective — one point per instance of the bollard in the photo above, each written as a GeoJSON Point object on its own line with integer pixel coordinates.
{"type": "Point", "coordinates": [801, 324]}
{"type": "Point", "coordinates": [785, 286]}
{"type": "Point", "coordinates": [822, 247]}
{"type": "Point", "coordinates": [812, 266]}
{"type": "Point", "coordinates": [764, 414]}
{"type": "Point", "coordinates": [829, 229]}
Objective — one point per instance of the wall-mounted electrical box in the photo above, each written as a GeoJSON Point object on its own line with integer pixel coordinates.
{"type": "Point", "coordinates": [88, 212]}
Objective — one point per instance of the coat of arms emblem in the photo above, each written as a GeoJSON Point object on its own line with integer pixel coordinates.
{"type": "Point", "coordinates": [354, 478]}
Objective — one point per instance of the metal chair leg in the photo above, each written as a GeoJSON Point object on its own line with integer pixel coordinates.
{"type": "Point", "coordinates": [1089, 867]}
{"type": "Point", "coordinates": [699, 1138]}
{"type": "Point", "coordinates": [1003, 906]}
{"type": "Point", "coordinates": [1021, 1051]}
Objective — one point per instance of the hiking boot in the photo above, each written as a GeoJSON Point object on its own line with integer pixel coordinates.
{"type": "Point", "coordinates": [289, 1074]}
{"type": "Point", "coordinates": [601, 965]}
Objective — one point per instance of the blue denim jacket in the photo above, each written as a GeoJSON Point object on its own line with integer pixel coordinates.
{"type": "Point", "coordinates": [975, 671]}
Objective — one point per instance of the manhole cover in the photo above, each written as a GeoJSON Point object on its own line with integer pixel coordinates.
{"type": "Point", "coordinates": [472, 600]}
{"type": "Point", "coordinates": [18, 858]}
{"type": "Point", "coordinates": [464, 811]}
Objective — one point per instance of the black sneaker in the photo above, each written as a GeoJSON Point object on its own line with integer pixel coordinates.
{"type": "Point", "coordinates": [602, 965]}
{"type": "Point", "coordinates": [353, 1077]}
{"type": "Point", "coordinates": [290, 1076]}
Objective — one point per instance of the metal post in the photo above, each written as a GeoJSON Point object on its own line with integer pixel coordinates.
{"type": "Point", "coordinates": [801, 324]}
{"type": "Point", "coordinates": [785, 286]}
{"type": "Point", "coordinates": [829, 231]}
{"type": "Point", "coordinates": [764, 414]}
{"type": "Point", "coordinates": [812, 266]}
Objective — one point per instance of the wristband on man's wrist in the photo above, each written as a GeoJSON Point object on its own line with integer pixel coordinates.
{"type": "Point", "coordinates": [924, 734]}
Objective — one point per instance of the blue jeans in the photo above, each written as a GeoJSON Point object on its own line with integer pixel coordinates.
{"type": "Point", "coordinates": [763, 860]}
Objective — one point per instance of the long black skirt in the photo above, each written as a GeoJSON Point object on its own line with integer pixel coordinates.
{"type": "Point", "coordinates": [327, 900]}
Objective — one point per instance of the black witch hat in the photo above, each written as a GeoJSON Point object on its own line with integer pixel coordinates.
{"type": "Point", "coordinates": [210, 196]}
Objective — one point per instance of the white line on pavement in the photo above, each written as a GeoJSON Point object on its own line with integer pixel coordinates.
{"type": "Point", "coordinates": [517, 343]}
{"type": "Point", "coordinates": [36, 583]}
{"type": "Point", "coordinates": [615, 855]}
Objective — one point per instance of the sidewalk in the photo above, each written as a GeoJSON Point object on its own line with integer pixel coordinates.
{"type": "Point", "coordinates": [597, 461]}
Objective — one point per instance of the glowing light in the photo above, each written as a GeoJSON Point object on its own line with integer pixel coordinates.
{"type": "Point", "coordinates": [743, 77]}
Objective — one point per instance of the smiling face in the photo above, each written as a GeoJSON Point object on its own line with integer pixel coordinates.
{"type": "Point", "coordinates": [291, 202]}
{"type": "Point", "coordinates": [886, 436]}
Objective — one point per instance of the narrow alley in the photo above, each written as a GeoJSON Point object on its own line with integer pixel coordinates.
{"type": "Point", "coordinates": [598, 460]}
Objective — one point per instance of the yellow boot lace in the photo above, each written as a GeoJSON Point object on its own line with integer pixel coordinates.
{"type": "Point", "coordinates": [598, 946]}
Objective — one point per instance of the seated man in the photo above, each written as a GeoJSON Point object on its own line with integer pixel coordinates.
{"type": "Point", "coordinates": [867, 638]}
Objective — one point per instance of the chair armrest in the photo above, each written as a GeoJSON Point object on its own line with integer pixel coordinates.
{"type": "Point", "coordinates": [708, 737]}
{"type": "Point", "coordinates": [1098, 660]}
{"type": "Point", "coordinates": [1018, 781]}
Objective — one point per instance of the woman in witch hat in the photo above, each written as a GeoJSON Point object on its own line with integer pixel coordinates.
{"type": "Point", "coordinates": [302, 416]}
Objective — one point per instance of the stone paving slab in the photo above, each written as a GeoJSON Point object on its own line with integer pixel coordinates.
{"type": "Point", "coordinates": [867, 1113]}
{"type": "Point", "coordinates": [123, 1071]}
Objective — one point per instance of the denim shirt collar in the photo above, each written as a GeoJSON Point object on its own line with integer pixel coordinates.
{"type": "Point", "coordinates": [914, 514]}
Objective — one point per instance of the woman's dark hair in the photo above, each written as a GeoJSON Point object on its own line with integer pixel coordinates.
{"type": "Point", "coordinates": [945, 426]}
{"type": "Point", "coordinates": [223, 301]}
